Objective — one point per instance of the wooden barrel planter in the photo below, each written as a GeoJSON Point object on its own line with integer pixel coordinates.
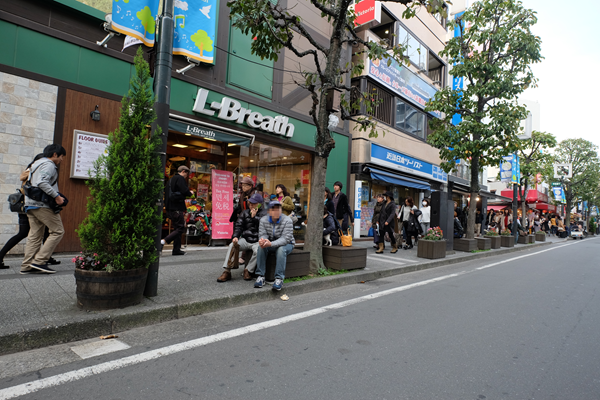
{"type": "Point", "coordinates": [496, 241]}
{"type": "Point", "coordinates": [431, 249]}
{"type": "Point", "coordinates": [508, 241]}
{"type": "Point", "coordinates": [101, 290]}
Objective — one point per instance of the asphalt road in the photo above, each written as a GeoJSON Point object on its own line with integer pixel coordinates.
{"type": "Point", "coordinates": [522, 326]}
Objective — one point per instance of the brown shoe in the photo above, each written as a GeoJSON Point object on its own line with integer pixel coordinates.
{"type": "Point", "coordinates": [225, 276]}
{"type": "Point", "coordinates": [380, 249]}
{"type": "Point", "coordinates": [247, 275]}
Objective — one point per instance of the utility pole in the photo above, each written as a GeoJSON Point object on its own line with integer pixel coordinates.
{"type": "Point", "coordinates": [162, 100]}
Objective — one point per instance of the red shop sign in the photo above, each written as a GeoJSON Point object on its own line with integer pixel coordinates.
{"type": "Point", "coordinates": [367, 11]}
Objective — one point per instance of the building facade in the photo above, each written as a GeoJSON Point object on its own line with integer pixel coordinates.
{"type": "Point", "coordinates": [55, 71]}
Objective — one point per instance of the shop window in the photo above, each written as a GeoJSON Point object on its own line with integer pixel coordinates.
{"type": "Point", "coordinates": [410, 119]}
{"type": "Point", "coordinates": [385, 103]}
{"type": "Point", "coordinates": [436, 71]}
{"type": "Point", "coordinates": [414, 50]}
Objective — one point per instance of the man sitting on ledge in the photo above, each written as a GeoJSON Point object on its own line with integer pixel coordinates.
{"type": "Point", "coordinates": [245, 234]}
{"type": "Point", "coordinates": [276, 233]}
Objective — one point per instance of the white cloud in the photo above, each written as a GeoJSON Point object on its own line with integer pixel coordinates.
{"type": "Point", "coordinates": [181, 4]}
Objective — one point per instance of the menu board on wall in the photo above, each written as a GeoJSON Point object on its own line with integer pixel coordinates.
{"type": "Point", "coordinates": [222, 204]}
{"type": "Point", "coordinates": [87, 148]}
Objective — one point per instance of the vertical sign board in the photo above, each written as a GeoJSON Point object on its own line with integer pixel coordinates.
{"type": "Point", "coordinates": [367, 11]}
{"type": "Point", "coordinates": [195, 29]}
{"type": "Point", "coordinates": [222, 204]}
{"type": "Point", "coordinates": [357, 207]}
{"type": "Point", "coordinates": [558, 192]}
{"type": "Point", "coordinates": [510, 169]}
{"type": "Point", "coordinates": [136, 18]}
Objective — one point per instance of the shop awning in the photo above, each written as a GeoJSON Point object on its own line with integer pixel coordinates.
{"type": "Point", "coordinates": [189, 126]}
{"type": "Point", "coordinates": [490, 195]}
{"type": "Point", "coordinates": [497, 208]}
{"type": "Point", "coordinates": [398, 180]}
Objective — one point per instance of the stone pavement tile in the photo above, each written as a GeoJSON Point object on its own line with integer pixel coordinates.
{"type": "Point", "coordinates": [18, 308]}
{"type": "Point", "coordinates": [49, 296]}
{"type": "Point", "coordinates": [67, 283]}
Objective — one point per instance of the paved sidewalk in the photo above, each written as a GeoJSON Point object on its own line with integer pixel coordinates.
{"type": "Point", "coordinates": [40, 310]}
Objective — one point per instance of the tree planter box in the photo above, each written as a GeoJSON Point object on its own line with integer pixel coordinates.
{"type": "Point", "coordinates": [523, 239]}
{"type": "Point", "coordinates": [507, 241]}
{"type": "Point", "coordinates": [298, 264]}
{"type": "Point", "coordinates": [467, 245]}
{"type": "Point", "coordinates": [340, 257]}
{"type": "Point", "coordinates": [531, 238]}
{"type": "Point", "coordinates": [496, 241]}
{"type": "Point", "coordinates": [432, 249]}
{"type": "Point", "coordinates": [484, 243]}
{"type": "Point", "coordinates": [101, 290]}
{"type": "Point", "coordinates": [540, 237]}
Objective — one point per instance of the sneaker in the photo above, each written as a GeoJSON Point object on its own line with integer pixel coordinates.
{"type": "Point", "coordinates": [53, 261]}
{"type": "Point", "coordinates": [28, 271]}
{"type": "Point", "coordinates": [260, 281]}
{"type": "Point", "coordinates": [278, 284]}
{"type": "Point", "coordinates": [43, 268]}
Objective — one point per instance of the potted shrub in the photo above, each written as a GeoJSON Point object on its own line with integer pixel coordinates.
{"type": "Point", "coordinates": [507, 239]}
{"type": "Point", "coordinates": [495, 238]}
{"type": "Point", "coordinates": [593, 226]}
{"type": "Point", "coordinates": [540, 236]}
{"type": "Point", "coordinates": [118, 235]}
{"type": "Point", "coordinates": [432, 245]}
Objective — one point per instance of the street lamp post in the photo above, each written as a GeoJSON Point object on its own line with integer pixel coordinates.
{"type": "Point", "coordinates": [162, 99]}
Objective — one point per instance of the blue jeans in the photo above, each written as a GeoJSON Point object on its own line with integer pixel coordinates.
{"type": "Point", "coordinates": [281, 254]}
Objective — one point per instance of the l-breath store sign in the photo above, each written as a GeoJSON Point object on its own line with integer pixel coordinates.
{"type": "Point", "coordinates": [232, 110]}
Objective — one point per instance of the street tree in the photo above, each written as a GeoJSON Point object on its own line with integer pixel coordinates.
{"type": "Point", "coordinates": [535, 158]}
{"type": "Point", "coordinates": [493, 54]}
{"type": "Point", "coordinates": [583, 156]}
{"type": "Point", "coordinates": [275, 27]}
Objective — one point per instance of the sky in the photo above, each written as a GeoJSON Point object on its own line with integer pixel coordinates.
{"type": "Point", "coordinates": [569, 83]}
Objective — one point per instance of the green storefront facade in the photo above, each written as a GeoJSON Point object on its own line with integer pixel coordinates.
{"type": "Point", "coordinates": [52, 42]}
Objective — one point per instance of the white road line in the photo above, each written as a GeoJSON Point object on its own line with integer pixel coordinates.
{"type": "Point", "coordinates": [72, 376]}
{"type": "Point", "coordinates": [392, 257]}
{"type": "Point", "coordinates": [384, 261]}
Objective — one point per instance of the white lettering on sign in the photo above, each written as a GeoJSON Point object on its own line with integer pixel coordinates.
{"type": "Point", "coordinates": [196, 131]}
{"type": "Point", "coordinates": [232, 110]}
{"type": "Point", "coordinates": [399, 159]}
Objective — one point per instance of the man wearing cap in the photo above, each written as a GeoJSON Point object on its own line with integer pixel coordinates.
{"type": "Point", "coordinates": [247, 191]}
{"type": "Point", "coordinates": [276, 235]}
{"type": "Point", "coordinates": [177, 191]}
{"type": "Point", "coordinates": [245, 234]}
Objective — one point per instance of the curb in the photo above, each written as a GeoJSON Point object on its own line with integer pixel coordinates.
{"type": "Point", "coordinates": [38, 336]}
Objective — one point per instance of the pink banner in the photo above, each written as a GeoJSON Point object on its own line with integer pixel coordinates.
{"type": "Point", "coordinates": [222, 204]}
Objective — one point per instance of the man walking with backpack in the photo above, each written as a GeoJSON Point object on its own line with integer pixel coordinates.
{"type": "Point", "coordinates": [177, 191]}
{"type": "Point", "coordinates": [42, 205]}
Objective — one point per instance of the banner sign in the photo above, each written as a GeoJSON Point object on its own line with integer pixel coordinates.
{"type": "Point", "coordinates": [222, 204]}
{"type": "Point", "coordinates": [558, 192]}
{"type": "Point", "coordinates": [195, 29]}
{"type": "Point", "coordinates": [510, 169]}
{"type": "Point", "coordinates": [403, 82]}
{"type": "Point", "coordinates": [401, 162]}
{"type": "Point", "coordinates": [136, 18]}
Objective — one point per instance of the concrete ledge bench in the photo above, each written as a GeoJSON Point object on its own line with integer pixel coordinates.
{"type": "Point", "coordinates": [340, 257]}
{"type": "Point", "coordinates": [298, 264]}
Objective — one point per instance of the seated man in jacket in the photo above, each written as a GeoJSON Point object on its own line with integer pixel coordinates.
{"type": "Point", "coordinates": [245, 234]}
{"type": "Point", "coordinates": [276, 235]}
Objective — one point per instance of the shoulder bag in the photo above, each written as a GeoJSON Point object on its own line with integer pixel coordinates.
{"type": "Point", "coordinates": [34, 192]}
{"type": "Point", "coordinates": [16, 201]}
{"type": "Point", "coordinates": [345, 239]}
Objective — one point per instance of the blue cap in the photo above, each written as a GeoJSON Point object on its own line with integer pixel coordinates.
{"type": "Point", "coordinates": [274, 203]}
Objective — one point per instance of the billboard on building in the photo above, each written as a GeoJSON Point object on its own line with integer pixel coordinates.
{"type": "Point", "coordinates": [195, 29]}
{"type": "Point", "coordinates": [136, 18]}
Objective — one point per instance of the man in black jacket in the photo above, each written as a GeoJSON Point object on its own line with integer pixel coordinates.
{"type": "Point", "coordinates": [343, 212]}
{"type": "Point", "coordinates": [245, 234]}
{"type": "Point", "coordinates": [177, 191]}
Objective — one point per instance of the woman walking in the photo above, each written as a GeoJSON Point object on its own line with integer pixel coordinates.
{"type": "Point", "coordinates": [425, 217]}
{"type": "Point", "coordinates": [377, 228]}
{"type": "Point", "coordinates": [404, 215]}
{"type": "Point", "coordinates": [386, 221]}
{"type": "Point", "coordinates": [412, 226]}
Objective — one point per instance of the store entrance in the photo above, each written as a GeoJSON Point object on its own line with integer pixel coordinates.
{"type": "Point", "coordinates": [267, 165]}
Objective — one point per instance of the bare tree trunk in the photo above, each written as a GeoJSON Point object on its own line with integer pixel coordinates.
{"type": "Point", "coordinates": [474, 193]}
{"type": "Point", "coordinates": [524, 205]}
{"type": "Point", "coordinates": [313, 240]}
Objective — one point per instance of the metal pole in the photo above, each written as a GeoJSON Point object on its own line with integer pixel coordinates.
{"type": "Point", "coordinates": [162, 92]}
{"type": "Point", "coordinates": [514, 209]}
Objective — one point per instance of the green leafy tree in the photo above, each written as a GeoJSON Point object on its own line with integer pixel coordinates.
{"type": "Point", "coordinates": [275, 28]}
{"type": "Point", "coordinates": [535, 158]}
{"type": "Point", "coordinates": [120, 229]}
{"type": "Point", "coordinates": [583, 156]}
{"type": "Point", "coordinates": [202, 41]}
{"type": "Point", "coordinates": [493, 54]}
{"type": "Point", "coordinates": [147, 19]}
